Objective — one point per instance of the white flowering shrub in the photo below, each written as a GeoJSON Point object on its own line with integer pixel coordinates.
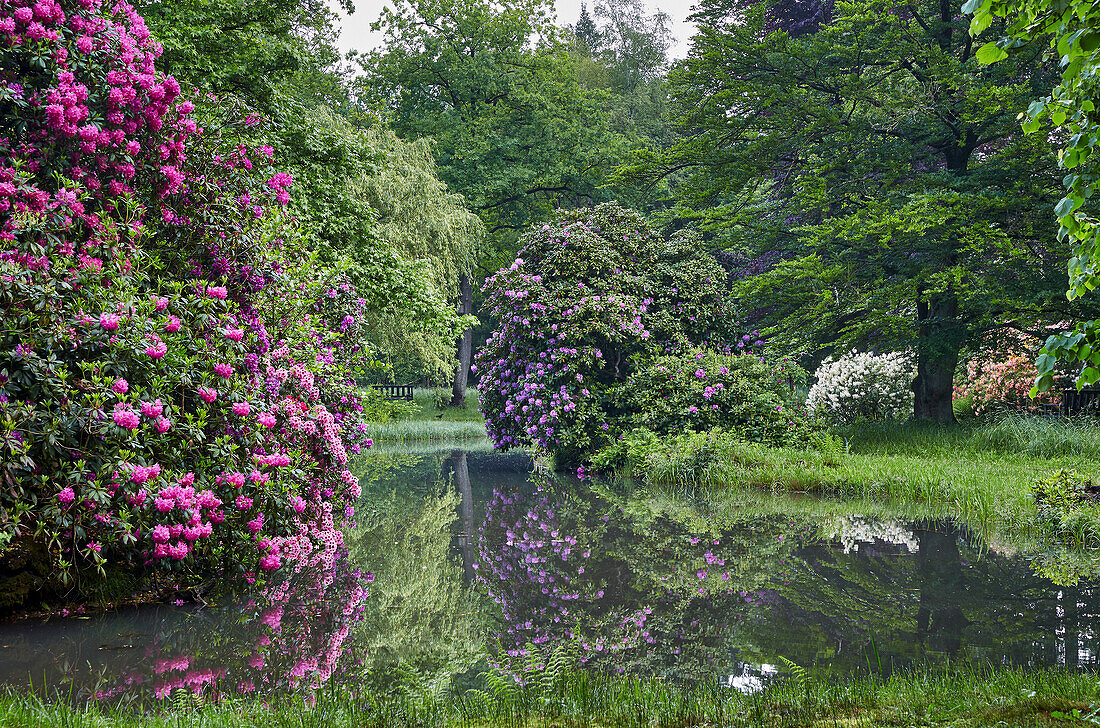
{"type": "Point", "coordinates": [862, 385]}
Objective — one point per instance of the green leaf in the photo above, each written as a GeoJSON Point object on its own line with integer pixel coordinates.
{"type": "Point", "coordinates": [990, 53]}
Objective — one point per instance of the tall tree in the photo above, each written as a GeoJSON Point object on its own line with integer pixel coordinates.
{"type": "Point", "coordinates": [493, 85]}
{"type": "Point", "coordinates": [248, 49]}
{"type": "Point", "coordinates": [874, 174]}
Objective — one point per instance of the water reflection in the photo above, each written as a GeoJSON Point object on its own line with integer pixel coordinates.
{"type": "Point", "coordinates": [478, 562]}
{"type": "Point", "coordinates": [290, 635]}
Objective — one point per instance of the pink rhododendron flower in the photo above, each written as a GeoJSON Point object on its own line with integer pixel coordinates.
{"type": "Point", "coordinates": [66, 496]}
{"type": "Point", "coordinates": [173, 325]}
{"type": "Point", "coordinates": [121, 386]}
{"type": "Point", "coordinates": [266, 419]}
{"type": "Point", "coordinates": [157, 350]}
{"type": "Point", "coordinates": [223, 369]}
{"type": "Point", "coordinates": [125, 417]}
{"type": "Point", "coordinates": [208, 395]}
{"type": "Point", "coordinates": [240, 408]}
{"type": "Point", "coordinates": [217, 292]}
{"type": "Point", "coordinates": [109, 321]}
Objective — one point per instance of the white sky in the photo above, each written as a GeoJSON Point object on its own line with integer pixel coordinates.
{"type": "Point", "coordinates": [356, 34]}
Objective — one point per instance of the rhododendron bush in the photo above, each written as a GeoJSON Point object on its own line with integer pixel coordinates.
{"type": "Point", "coordinates": [1000, 374]}
{"type": "Point", "coordinates": [699, 390]}
{"type": "Point", "coordinates": [591, 297]}
{"type": "Point", "coordinates": [863, 385]}
{"type": "Point", "coordinates": [176, 377]}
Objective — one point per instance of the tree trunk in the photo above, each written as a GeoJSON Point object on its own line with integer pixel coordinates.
{"type": "Point", "coordinates": [939, 338]}
{"type": "Point", "coordinates": [467, 538]}
{"type": "Point", "coordinates": [465, 344]}
{"type": "Point", "coordinates": [940, 617]}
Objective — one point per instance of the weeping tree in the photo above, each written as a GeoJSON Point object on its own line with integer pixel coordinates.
{"type": "Point", "coordinates": [374, 204]}
{"type": "Point", "coordinates": [418, 217]}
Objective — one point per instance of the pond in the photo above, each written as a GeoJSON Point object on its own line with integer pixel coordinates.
{"type": "Point", "coordinates": [478, 562]}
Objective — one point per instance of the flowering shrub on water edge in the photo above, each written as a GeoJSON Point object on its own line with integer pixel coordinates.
{"type": "Point", "coordinates": [590, 298]}
{"type": "Point", "coordinates": [745, 394]}
{"type": "Point", "coordinates": [863, 385]}
{"type": "Point", "coordinates": [175, 390]}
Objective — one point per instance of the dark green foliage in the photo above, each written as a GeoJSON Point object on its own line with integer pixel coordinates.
{"type": "Point", "coordinates": [696, 391]}
{"type": "Point", "coordinates": [875, 177]}
{"type": "Point", "coordinates": [248, 49]}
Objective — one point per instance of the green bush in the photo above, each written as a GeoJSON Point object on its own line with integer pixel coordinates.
{"type": "Point", "coordinates": [746, 395]}
{"type": "Point", "coordinates": [1069, 502]}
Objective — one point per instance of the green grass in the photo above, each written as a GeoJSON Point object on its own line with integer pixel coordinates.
{"type": "Point", "coordinates": [424, 422]}
{"type": "Point", "coordinates": [980, 475]}
{"type": "Point", "coordinates": [954, 696]}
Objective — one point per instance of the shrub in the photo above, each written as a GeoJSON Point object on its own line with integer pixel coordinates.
{"type": "Point", "coordinates": [698, 390]}
{"type": "Point", "coordinates": [591, 297]}
{"type": "Point", "coordinates": [863, 385]}
{"type": "Point", "coordinates": [1069, 503]}
{"type": "Point", "coordinates": [175, 390]}
{"type": "Point", "coordinates": [999, 376]}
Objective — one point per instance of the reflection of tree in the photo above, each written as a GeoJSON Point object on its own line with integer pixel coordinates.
{"type": "Point", "coordinates": [948, 599]}
{"type": "Point", "coordinates": [940, 617]}
{"type": "Point", "coordinates": [421, 616]}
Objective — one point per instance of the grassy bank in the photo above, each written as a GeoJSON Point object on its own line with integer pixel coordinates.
{"type": "Point", "coordinates": [423, 421]}
{"type": "Point", "coordinates": [949, 697]}
{"type": "Point", "coordinates": [982, 474]}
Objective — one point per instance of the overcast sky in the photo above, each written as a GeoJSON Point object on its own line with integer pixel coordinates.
{"type": "Point", "coordinates": [356, 35]}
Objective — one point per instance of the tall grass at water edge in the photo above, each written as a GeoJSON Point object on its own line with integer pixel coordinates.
{"type": "Point", "coordinates": [421, 420]}
{"type": "Point", "coordinates": [981, 474]}
{"type": "Point", "coordinates": [952, 696]}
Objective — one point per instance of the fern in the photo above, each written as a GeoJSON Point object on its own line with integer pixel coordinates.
{"type": "Point", "coordinates": [800, 674]}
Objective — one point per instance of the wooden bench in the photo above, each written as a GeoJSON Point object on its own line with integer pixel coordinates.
{"type": "Point", "coordinates": [1085, 402]}
{"type": "Point", "coordinates": [396, 391]}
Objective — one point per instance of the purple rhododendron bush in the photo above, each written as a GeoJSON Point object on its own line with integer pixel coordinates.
{"type": "Point", "coordinates": [177, 400]}
{"type": "Point", "coordinates": [593, 300]}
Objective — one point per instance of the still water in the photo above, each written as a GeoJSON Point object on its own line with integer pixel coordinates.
{"type": "Point", "coordinates": [478, 562]}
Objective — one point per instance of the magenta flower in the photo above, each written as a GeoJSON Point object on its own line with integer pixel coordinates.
{"type": "Point", "coordinates": [121, 386]}
{"type": "Point", "coordinates": [126, 417]}
{"type": "Point", "coordinates": [240, 408]}
{"type": "Point", "coordinates": [173, 325]}
{"type": "Point", "coordinates": [109, 321]}
{"type": "Point", "coordinates": [156, 350]}
{"type": "Point", "coordinates": [162, 425]}
{"type": "Point", "coordinates": [223, 369]}
{"type": "Point", "coordinates": [234, 334]}
{"type": "Point", "coordinates": [66, 496]}
{"type": "Point", "coordinates": [217, 292]}
{"type": "Point", "coordinates": [161, 303]}
{"type": "Point", "coordinates": [208, 394]}
{"type": "Point", "coordinates": [266, 419]}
